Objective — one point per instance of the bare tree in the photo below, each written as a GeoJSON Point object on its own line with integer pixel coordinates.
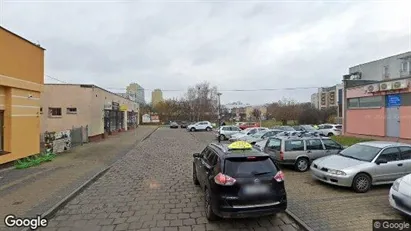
{"type": "Point", "coordinates": [256, 113]}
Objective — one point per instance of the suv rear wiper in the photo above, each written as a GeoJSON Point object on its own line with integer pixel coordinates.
{"type": "Point", "coordinates": [259, 173]}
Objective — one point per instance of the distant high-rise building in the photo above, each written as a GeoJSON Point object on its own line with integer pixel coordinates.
{"type": "Point", "coordinates": [136, 93]}
{"type": "Point", "coordinates": [156, 97]}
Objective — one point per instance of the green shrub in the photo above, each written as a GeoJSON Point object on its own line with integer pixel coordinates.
{"type": "Point", "coordinates": [349, 140]}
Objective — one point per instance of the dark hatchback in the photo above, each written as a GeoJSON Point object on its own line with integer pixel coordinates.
{"type": "Point", "coordinates": [238, 183]}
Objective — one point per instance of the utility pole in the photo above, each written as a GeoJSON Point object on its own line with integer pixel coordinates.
{"type": "Point", "coordinates": [219, 115]}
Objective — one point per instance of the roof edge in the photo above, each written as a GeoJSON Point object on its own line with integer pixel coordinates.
{"type": "Point", "coordinates": [21, 37]}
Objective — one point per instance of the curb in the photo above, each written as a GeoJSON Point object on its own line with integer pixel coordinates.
{"type": "Point", "coordinates": [53, 210]}
{"type": "Point", "coordinates": [299, 221]}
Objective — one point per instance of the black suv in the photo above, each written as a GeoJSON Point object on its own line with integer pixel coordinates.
{"type": "Point", "coordinates": [238, 183]}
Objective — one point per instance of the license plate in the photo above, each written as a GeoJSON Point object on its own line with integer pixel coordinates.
{"type": "Point", "coordinates": [255, 189]}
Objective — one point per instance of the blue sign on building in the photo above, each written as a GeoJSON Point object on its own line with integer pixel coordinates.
{"type": "Point", "coordinates": [393, 100]}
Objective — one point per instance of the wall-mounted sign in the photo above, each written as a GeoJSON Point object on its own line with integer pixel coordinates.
{"type": "Point", "coordinates": [116, 106]}
{"type": "Point", "coordinates": [123, 107]}
{"type": "Point", "coordinates": [108, 106]}
{"type": "Point", "coordinates": [394, 100]}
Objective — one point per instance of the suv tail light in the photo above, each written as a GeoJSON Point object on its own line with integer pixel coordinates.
{"type": "Point", "coordinates": [225, 180]}
{"type": "Point", "coordinates": [279, 177]}
{"type": "Point", "coordinates": [281, 155]}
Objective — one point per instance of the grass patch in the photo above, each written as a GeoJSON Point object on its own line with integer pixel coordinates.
{"type": "Point", "coordinates": [349, 140]}
{"type": "Point", "coordinates": [34, 160]}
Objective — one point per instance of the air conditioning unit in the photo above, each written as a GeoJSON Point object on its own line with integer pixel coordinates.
{"type": "Point", "coordinates": [400, 84]}
{"type": "Point", "coordinates": [385, 86]}
{"type": "Point", "coordinates": [372, 88]}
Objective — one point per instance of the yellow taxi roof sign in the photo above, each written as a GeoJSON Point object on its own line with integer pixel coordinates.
{"type": "Point", "coordinates": [240, 145]}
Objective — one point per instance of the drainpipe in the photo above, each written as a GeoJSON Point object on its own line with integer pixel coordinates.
{"type": "Point", "coordinates": [344, 106]}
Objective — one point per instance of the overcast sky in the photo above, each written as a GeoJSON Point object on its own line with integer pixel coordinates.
{"type": "Point", "coordinates": [232, 44]}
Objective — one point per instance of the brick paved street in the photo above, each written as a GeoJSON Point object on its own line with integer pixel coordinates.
{"type": "Point", "coordinates": [32, 191]}
{"type": "Point", "coordinates": [327, 208]}
{"type": "Point", "coordinates": [151, 189]}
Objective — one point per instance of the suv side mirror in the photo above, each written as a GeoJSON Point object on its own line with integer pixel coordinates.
{"type": "Point", "coordinates": [197, 155]}
{"type": "Point", "coordinates": [381, 161]}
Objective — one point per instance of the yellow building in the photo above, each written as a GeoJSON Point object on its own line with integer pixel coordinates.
{"type": "Point", "coordinates": [156, 97]}
{"type": "Point", "coordinates": [21, 82]}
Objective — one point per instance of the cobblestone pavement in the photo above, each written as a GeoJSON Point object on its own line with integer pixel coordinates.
{"type": "Point", "coordinates": [32, 191]}
{"type": "Point", "coordinates": [151, 189]}
{"type": "Point", "coordinates": [327, 208]}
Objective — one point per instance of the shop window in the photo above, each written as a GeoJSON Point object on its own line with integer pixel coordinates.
{"type": "Point", "coordinates": [373, 101]}
{"type": "Point", "coordinates": [54, 112]}
{"type": "Point", "coordinates": [365, 102]}
{"type": "Point", "coordinates": [71, 110]}
{"type": "Point", "coordinates": [353, 103]}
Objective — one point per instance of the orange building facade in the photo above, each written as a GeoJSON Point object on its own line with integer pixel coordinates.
{"type": "Point", "coordinates": [21, 84]}
{"type": "Point", "coordinates": [381, 109]}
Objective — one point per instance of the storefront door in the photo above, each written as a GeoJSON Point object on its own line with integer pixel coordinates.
{"type": "Point", "coordinates": [392, 115]}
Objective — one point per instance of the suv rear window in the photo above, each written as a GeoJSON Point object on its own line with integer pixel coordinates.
{"type": "Point", "coordinates": [242, 167]}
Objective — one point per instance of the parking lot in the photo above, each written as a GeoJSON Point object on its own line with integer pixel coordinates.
{"type": "Point", "coordinates": [151, 188]}
{"type": "Point", "coordinates": [326, 207]}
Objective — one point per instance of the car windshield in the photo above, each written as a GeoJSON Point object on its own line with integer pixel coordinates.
{"type": "Point", "coordinates": [286, 128]}
{"type": "Point", "coordinates": [241, 167]}
{"type": "Point", "coordinates": [361, 152]}
{"type": "Point", "coordinates": [308, 127]}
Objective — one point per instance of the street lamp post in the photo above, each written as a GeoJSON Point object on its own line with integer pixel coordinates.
{"type": "Point", "coordinates": [219, 114]}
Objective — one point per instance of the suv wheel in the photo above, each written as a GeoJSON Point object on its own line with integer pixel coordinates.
{"type": "Point", "coordinates": [195, 180]}
{"type": "Point", "coordinates": [222, 137]}
{"type": "Point", "coordinates": [361, 183]}
{"type": "Point", "coordinates": [208, 129]}
{"type": "Point", "coordinates": [330, 134]}
{"type": "Point", "coordinates": [302, 164]}
{"type": "Point", "coordinates": [210, 215]}
{"type": "Point", "coordinates": [192, 129]}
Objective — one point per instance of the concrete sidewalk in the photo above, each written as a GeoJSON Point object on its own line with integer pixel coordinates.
{"type": "Point", "coordinates": [30, 192]}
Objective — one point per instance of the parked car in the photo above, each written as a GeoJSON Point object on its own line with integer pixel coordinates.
{"type": "Point", "coordinates": [248, 125]}
{"type": "Point", "coordinates": [300, 151]}
{"type": "Point", "coordinates": [173, 125]}
{"type": "Point", "coordinates": [260, 145]}
{"type": "Point", "coordinates": [183, 124]}
{"type": "Point", "coordinates": [246, 132]}
{"type": "Point", "coordinates": [364, 164]}
{"type": "Point", "coordinates": [284, 128]}
{"type": "Point", "coordinates": [238, 181]}
{"type": "Point", "coordinates": [259, 136]}
{"type": "Point", "coordinates": [200, 126]}
{"type": "Point", "coordinates": [400, 195]}
{"type": "Point", "coordinates": [330, 129]}
{"type": "Point", "coordinates": [307, 128]}
{"type": "Point", "coordinates": [225, 132]}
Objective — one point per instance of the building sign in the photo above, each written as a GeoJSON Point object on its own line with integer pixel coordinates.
{"type": "Point", "coordinates": [123, 107]}
{"type": "Point", "coordinates": [394, 100]}
{"type": "Point", "coordinates": [108, 106]}
{"type": "Point", "coordinates": [155, 119]}
{"type": "Point", "coordinates": [146, 118]}
{"type": "Point", "coordinates": [115, 106]}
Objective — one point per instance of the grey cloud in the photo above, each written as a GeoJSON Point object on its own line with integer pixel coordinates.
{"type": "Point", "coordinates": [231, 44]}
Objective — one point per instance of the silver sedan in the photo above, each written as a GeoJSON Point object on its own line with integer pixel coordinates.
{"type": "Point", "coordinates": [364, 164]}
{"type": "Point", "coordinates": [400, 195]}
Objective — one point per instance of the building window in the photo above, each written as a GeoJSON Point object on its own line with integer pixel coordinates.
{"type": "Point", "coordinates": [41, 110]}
{"type": "Point", "coordinates": [365, 102]}
{"type": "Point", "coordinates": [54, 111]}
{"type": "Point", "coordinates": [353, 103]}
{"type": "Point", "coordinates": [386, 72]}
{"type": "Point", "coordinates": [71, 110]}
{"type": "Point", "coordinates": [373, 101]}
{"type": "Point", "coordinates": [404, 67]}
